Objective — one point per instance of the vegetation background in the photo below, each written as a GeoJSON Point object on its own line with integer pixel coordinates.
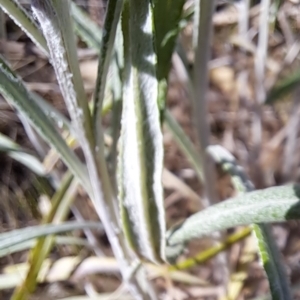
{"type": "Point", "coordinates": [252, 103]}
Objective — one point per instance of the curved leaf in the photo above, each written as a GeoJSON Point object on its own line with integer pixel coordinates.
{"type": "Point", "coordinates": [16, 93]}
{"type": "Point", "coordinates": [59, 240]}
{"type": "Point", "coordinates": [16, 152]}
{"type": "Point", "coordinates": [268, 250]}
{"type": "Point", "coordinates": [61, 203]}
{"type": "Point", "coordinates": [57, 26]}
{"type": "Point", "coordinates": [274, 204]}
{"type": "Point", "coordinates": [88, 30]}
{"type": "Point", "coordinates": [14, 9]}
{"type": "Point", "coordinates": [141, 157]}
{"type": "Point", "coordinates": [112, 18]}
{"type": "Point", "coordinates": [17, 236]}
{"type": "Point", "coordinates": [270, 257]}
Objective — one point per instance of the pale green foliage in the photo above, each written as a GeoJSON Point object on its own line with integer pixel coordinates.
{"type": "Point", "coordinates": [141, 157]}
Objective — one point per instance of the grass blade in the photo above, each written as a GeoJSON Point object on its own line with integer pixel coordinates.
{"type": "Point", "coordinates": [88, 30]}
{"type": "Point", "coordinates": [113, 14]}
{"type": "Point", "coordinates": [14, 9]}
{"type": "Point", "coordinates": [56, 24]}
{"type": "Point", "coordinates": [52, 113]}
{"type": "Point", "coordinates": [17, 236]}
{"type": "Point", "coordinates": [141, 157]}
{"type": "Point", "coordinates": [58, 31]}
{"type": "Point", "coordinates": [16, 93]}
{"type": "Point", "coordinates": [61, 203]}
{"type": "Point", "coordinates": [59, 240]}
{"type": "Point", "coordinates": [270, 257]}
{"type": "Point", "coordinates": [17, 153]}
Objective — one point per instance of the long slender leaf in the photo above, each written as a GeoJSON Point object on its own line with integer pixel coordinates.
{"type": "Point", "coordinates": [271, 259]}
{"type": "Point", "coordinates": [113, 14]}
{"type": "Point", "coordinates": [58, 31]}
{"type": "Point", "coordinates": [52, 113]}
{"type": "Point", "coordinates": [59, 240]}
{"type": "Point", "coordinates": [141, 138]}
{"type": "Point", "coordinates": [88, 30]}
{"type": "Point", "coordinates": [14, 9]}
{"type": "Point", "coordinates": [17, 236]}
{"type": "Point", "coordinates": [3, 33]}
{"type": "Point", "coordinates": [54, 17]}
{"type": "Point", "coordinates": [166, 18]}
{"type": "Point", "coordinates": [61, 203]}
{"type": "Point", "coordinates": [16, 152]}
{"type": "Point", "coordinates": [16, 93]}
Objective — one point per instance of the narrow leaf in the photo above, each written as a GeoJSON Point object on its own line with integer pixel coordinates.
{"type": "Point", "coordinates": [270, 257]}
{"type": "Point", "coordinates": [59, 240]}
{"type": "Point", "coordinates": [61, 203]}
{"type": "Point", "coordinates": [202, 36]}
{"type": "Point", "coordinates": [141, 158]}
{"type": "Point", "coordinates": [16, 152]}
{"type": "Point", "coordinates": [52, 113]}
{"type": "Point", "coordinates": [58, 30]}
{"type": "Point", "coordinates": [17, 236]}
{"type": "Point", "coordinates": [88, 30]}
{"type": "Point", "coordinates": [14, 9]}
{"type": "Point", "coordinates": [57, 26]}
{"type": "Point", "coordinates": [16, 93]}
{"type": "Point", "coordinates": [113, 14]}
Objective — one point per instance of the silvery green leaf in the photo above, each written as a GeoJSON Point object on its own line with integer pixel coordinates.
{"type": "Point", "coordinates": [88, 30]}
{"type": "Point", "coordinates": [276, 204]}
{"type": "Point", "coordinates": [268, 250]}
{"type": "Point", "coordinates": [20, 16]}
{"type": "Point", "coordinates": [141, 157]}
{"type": "Point", "coordinates": [17, 236]}
{"type": "Point", "coordinates": [113, 13]}
{"type": "Point", "coordinates": [57, 28]}
{"type": "Point", "coordinates": [257, 208]}
{"type": "Point", "coordinates": [16, 93]}
{"type": "Point", "coordinates": [59, 240]}
{"type": "Point", "coordinates": [56, 23]}
{"type": "Point", "coordinates": [16, 152]}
